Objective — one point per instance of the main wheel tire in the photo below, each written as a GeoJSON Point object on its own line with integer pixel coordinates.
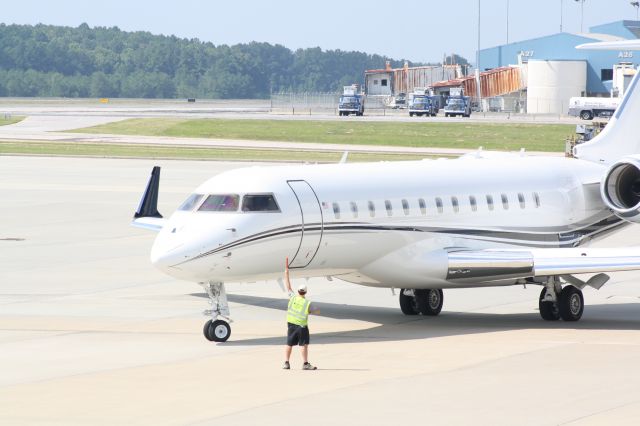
{"type": "Point", "coordinates": [429, 302]}
{"type": "Point", "coordinates": [548, 310]}
{"type": "Point", "coordinates": [408, 304]}
{"type": "Point", "coordinates": [410, 114]}
{"type": "Point", "coordinates": [571, 303]}
{"type": "Point", "coordinates": [586, 115]}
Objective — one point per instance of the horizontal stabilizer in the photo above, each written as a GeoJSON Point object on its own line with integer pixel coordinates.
{"type": "Point", "coordinates": [611, 45]}
{"type": "Point", "coordinates": [149, 223]}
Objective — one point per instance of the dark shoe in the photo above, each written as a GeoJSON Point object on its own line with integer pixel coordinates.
{"type": "Point", "coordinates": [286, 365]}
{"type": "Point", "coordinates": [307, 366]}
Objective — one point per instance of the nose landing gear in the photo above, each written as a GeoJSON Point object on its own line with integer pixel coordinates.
{"type": "Point", "coordinates": [217, 329]}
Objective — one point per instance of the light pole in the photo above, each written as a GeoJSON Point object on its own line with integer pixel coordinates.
{"type": "Point", "coordinates": [581, 13]}
{"type": "Point", "coordinates": [636, 4]}
{"type": "Point", "coordinates": [507, 21]}
{"type": "Point", "coordinates": [478, 92]}
{"type": "Point", "coordinates": [560, 15]}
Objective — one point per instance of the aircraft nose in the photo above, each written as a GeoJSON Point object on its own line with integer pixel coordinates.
{"type": "Point", "coordinates": [165, 253]}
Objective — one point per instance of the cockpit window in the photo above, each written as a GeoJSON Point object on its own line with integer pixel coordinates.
{"type": "Point", "coordinates": [259, 203]}
{"type": "Point", "coordinates": [192, 201]}
{"type": "Point", "coordinates": [220, 203]}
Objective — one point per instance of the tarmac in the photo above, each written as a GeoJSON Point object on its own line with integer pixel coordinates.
{"type": "Point", "coordinates": [91, 333]}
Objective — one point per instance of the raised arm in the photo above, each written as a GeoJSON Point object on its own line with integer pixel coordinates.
{"type": "Point", "coordinates": [287, 282]}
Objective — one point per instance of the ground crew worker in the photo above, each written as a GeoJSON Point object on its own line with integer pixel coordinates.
{"type": "Point", "coordinates": [297, 322]}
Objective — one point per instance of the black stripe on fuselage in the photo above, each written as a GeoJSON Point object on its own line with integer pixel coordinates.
{"type": "Point", "coordinates": [525, 239]}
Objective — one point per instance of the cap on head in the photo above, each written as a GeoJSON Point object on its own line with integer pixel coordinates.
{"type": "Point", "coordinates": [302, 288]}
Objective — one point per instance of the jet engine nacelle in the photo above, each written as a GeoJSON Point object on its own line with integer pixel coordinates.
{"type": "Point", "coordinates": [620, 189]}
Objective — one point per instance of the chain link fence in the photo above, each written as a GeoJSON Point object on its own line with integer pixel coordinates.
{"type": "Point", "coordinates": [327, 103]}
{"type": "Point", "coordinates": [310, 103]}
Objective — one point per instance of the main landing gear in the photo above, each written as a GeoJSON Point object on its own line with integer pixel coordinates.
{"type": "Point", "coordinates": [421, 301]}
{"type": "Point", "coordinates": [217, 329]}
{"type": "Point", "coordinates": [556, 302]}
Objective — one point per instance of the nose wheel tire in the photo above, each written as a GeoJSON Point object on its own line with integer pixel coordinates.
{"type": "Point", "coordinates": [429, 302]}
{"type": "Point", "coordinates": [548, 310]}
{"type": "Point", "coordinates": [571, 303]}
{"type": "Point", "coordinates": [217, 331]}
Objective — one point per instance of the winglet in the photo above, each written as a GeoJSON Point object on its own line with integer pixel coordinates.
{"type": "Point", "coordinates": [148, 206]}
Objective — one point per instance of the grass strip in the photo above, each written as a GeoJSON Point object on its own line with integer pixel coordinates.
{"type": "Point", "coordinates": [7, 119]}
{"type": "Point", "coordinates": [422, 133]}
{"type": "Point", "coordinates": [187, 153]}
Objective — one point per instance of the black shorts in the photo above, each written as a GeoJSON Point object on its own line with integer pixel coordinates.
{"type": "Point", "coordinates": [297, 335]}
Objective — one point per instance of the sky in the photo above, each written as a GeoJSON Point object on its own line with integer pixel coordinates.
{"type": "Point", "coordinates": [420, 31]}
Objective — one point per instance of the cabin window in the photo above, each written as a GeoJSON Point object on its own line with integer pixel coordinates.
{"type": "Point", "coordinates": [220, 203]}
{"type": "Point", "coordinates": [473, 203]}
{"type": "Point", "coordinates": [387, 205]}
{"type": "Point", "coordinates": [191, 202]}
{"type": "Point", "coordinates": [536, 199]}
{"type": "Point", "coordinates": [490, 202]}
{"type": "Point", "coordinates": [423, 206]}
{"type": "Point", "coordinates": [336, 210]}
{"type": "Point", "coordinates": [455, 205]}
{"type": "Point", "coordinates": [439, 204]}
{"type": "Point", "coordinates": [521, 200]}
{"type": "Point", "coordinates": [354, 209]}
{"type": "Point", "coordinates": [505, 201]}
{"type": "Point", "coordinates": [372, 209]}
{"type": "Point", "coordinates": [259, 203]}
{"type": "Point", "coordinates": [405, 207]}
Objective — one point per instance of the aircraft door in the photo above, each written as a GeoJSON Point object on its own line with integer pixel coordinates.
{"type": "Point", "coordinates": [312, 223]}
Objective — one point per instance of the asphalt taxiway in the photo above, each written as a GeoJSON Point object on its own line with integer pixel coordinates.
{"type": "Point", "coordinates": [90, 333]}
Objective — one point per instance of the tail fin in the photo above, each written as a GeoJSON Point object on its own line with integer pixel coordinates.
{"type": "Point", "coordinates": [621, 136]}
{"type": "Point", "coordinates": [148, 206]}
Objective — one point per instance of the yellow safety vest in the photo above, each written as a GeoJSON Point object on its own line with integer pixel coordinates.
{"type": "Point", "coordinates": [298, 311]}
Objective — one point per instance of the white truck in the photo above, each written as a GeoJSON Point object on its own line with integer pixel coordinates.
{"type": "Point", "coordinates": [588, 108]}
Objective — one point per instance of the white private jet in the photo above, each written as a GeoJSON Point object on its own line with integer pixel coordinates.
{"type": "Point", "coordinates": [485, 219]}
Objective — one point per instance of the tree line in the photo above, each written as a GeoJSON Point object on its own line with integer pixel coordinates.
{"type": "Point", "coordinates": [54, 61]}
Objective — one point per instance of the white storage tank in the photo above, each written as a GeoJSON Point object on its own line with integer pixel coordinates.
{"type": "Point", "coordinates": [552, 83]}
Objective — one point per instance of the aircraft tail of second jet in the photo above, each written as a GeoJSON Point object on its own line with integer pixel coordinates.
{"type": "Point", "coordinates": [621, 136]}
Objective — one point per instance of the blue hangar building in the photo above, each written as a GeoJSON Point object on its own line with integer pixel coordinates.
{"type": "Point", "coordinates": [561, 47]}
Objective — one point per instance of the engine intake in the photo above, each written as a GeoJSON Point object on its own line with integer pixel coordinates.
{"type": "Point", "coordinates": [620, 189]}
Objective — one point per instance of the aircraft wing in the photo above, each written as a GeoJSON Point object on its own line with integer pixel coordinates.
{"type": "Point", "coordinates": [585, 261]}
{"type": "Point", "coordinates": [147, 215]}
{"type": "Point", "coordinates": [489, 265]}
